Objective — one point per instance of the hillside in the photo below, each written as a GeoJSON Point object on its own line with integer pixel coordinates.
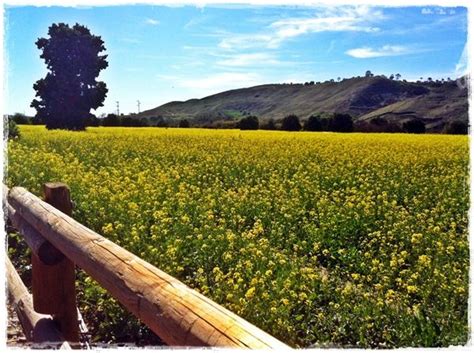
{"type": "Point", "coordinates": [362, 97]}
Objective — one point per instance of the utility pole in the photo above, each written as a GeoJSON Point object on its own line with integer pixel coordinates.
{"type": "Point", "coordinates": [138, 105]}
{"type": "Point", "coordinates": [118, 108]}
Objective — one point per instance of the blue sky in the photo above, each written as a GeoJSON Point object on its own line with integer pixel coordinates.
{"type": "Point", "coordinates": [159, 54]}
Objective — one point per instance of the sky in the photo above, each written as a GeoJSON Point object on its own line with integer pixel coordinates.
{"type": "Point", "coordinates": [159, 54]}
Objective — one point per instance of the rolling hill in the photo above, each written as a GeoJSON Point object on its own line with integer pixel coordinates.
{"type": "Point", "coordinates": [365, 98]}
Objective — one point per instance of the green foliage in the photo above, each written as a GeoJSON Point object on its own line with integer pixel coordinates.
{"type": "Point", "coordinates": [20, 119]}
{"type": "Point", "coordinates": [291, 123]}
{"type": "Point", "coordinates": [269, 125]}
{"type": "Point", "coordinates": [70, 90]}
{"type": "Point", "coordinates": [13, 131]}
{"type": "Point", "coordinates": [314, 123]}
{"type": "Point", "coordinates": [341, 123]}
{"type": "Point", "coordinates": [184, 123]}
{"type": "Point", "coordinates": [414, 126]}
{"type": "Point", "coordinates": [457, 127]}
{"type": "Point", "coordinates": [248, 123]}
{"type": "Point", "coordinates": [112, 120]}
{"type": "Point", "coordinates": [318, 239]}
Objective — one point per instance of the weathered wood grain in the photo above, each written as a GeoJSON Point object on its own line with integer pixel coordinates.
{"type": "Point", "coordinates": [38, 328]}
{"type": "Point", "coordinates": [178, 314]}
{"type": "Point", "coordinates": [54, 286]}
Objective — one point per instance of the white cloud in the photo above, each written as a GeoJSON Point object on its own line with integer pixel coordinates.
{"type": "Point", "coordinates": [386, 50]}
{"type": "Point", "coordinates": [338, 19]}
{"type": "Point", "coordinates": [437, 11]}
{"type": "Point", "coordinates": [246, 41]}
{"type": "Point", "coordinates": [250, 59]}
{"type": "Point", "coordinates": [461, 68]}
{"type": "Point", "coordinates": [222, 81]}
{"type": "Point", "coordinates": [151, 21]}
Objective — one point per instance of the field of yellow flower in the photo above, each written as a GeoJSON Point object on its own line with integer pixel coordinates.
{"type": "Point", "coordinates": [317, 238]}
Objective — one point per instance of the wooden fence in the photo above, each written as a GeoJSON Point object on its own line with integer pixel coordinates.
{"type": "Point", "coordinates": [179, 315]}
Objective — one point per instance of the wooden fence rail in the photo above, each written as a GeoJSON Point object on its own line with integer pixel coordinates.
{"type": "Point", "coordinates": [177, 314]}
{"type": "Point", "coordinates": [38, 328]}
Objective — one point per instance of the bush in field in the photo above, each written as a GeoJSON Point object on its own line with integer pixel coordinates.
{"type": "Point", "coordinates": [92, 121]}
{"type": "Point", "coordinates": [248, 123]}
{"type": "Point", "coordinates": [20, 119]}
{"type": "Point", "coordinates": [457, 127]}
{"type": "Point", "coordinates": [112, 120]}
{"type": "Point", "coordinates": [160, 122]}
{"type": "Point", "coordinates": [269, 125]}
{"type": "Point", "coordinates": [378, 124]}
{"type": "Point", "coordinates": [414, 126]}
{"type": "Point", "coordinates": [291, 123]}
{"type": "Point", "coordinates": [13, 131]}
{"type": "Point", "coordinates": [184, 123]}
{"type": "Point", "coordinates": [314, 123]}
{"type": "Point", "coordinates": [341, 123]}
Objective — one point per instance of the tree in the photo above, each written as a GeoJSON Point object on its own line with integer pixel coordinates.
{"type": "Point", "coordinates": [20, 119]}
{"type": "Point", "coordinates": [369, 73]}
{"type": "Point", "coordinates": [127, 121]}
{"type": "Point", "coordinates": [184, 123]}
{"type": "Point", "coordinates": [270, 125]}
{"type": "Point", "coordinates": [414, 126]}
{"type": "Point", "coordinates": [159, 121]}
{"type": "Point", "coordinates": [291, 123]}
{"type": "Point", "coordinates": [457, 127]}
{"type": "Point", "coordinates": [248, 123]}
{"type": "Point", "coordinates": [313, 123]}
{"type": "Point", "coordinates": [398, 76]}
{"type": "Point", "coordinates": [70, 89]}
{"type": "Point", "coordinates": [111, 120]}
{"type": "Point", "coordinates": [13, 131]}
{"type": "Point", "coordinates": [92, 121]}
{"type": "Point", "coordinates": [341, 123]}
{"type": "Point", "coordinates": [392, 76]}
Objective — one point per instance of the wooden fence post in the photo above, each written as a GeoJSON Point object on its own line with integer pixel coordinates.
{"type": "Point", "coordinates": [53, 286]}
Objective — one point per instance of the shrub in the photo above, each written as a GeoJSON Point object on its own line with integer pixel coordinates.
{"type": "Point", "coordinates": [184, 123]}
{"type": "Point", "coordinates": [248, 123]}
{"type": "Point", "coordinates": [457, 127]}
{"type": "Point", "coordinates": [291, 123]}
{"type": "Point", "coordinates": [414, 126]}
{"type": "Point", "coordinates": [13, 131]}
{"type": "Point", "coordinates": [91, 120]}
{"type": "Point", "coordinates": [341, 123]}
{"type": "Point", "coordinates": [269, 125]}
{"type": "Point", "coordinates": [20, 119]}
{"type": "Point", "coordinates": [314, 123]}
{"type": "Point", "coordinates": [111, 120]}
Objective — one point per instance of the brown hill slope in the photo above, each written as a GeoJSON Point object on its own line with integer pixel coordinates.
{"type": "Point", "coordinates": [360, 96]}
{"type": "Point", "coordinates": [444, 102]}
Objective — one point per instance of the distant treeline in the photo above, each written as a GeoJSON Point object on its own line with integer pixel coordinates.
{"type": "Point", "coordinates": [335, 122]}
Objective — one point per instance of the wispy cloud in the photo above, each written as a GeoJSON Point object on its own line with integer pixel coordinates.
{"type": "Point", "coordinates": [152, 22]}
{"type": "Point", "coordinates": [223, 81]}
{"type": "Point", "coordinates": [340, 19]}
{"type": "Point", "coordinates": [437, 11]}
{"type": "Point", "coordinates": [214, 83]}
{"type": "Point", "coordinates": [461, 68]}
{"type": "Point", "coordinates": [250, 59]}
{"type": "Point", "coordinates": [386, 50]}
